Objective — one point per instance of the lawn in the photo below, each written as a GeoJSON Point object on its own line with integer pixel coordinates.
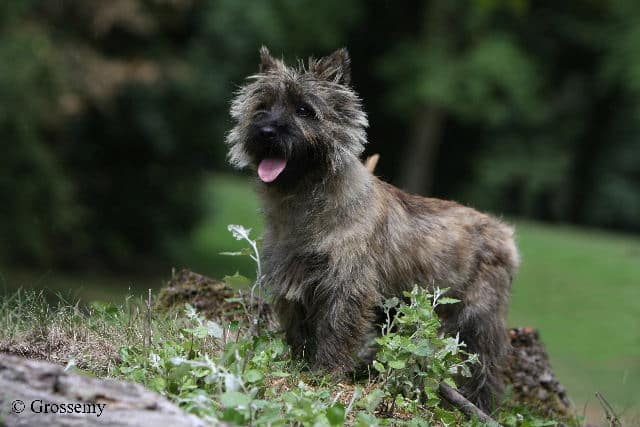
{"type": "Point", "coordinates": [231, 200]}
{"type": "Point", "coordinates": [579, 287]}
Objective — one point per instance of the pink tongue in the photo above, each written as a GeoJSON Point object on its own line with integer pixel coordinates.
{"type": "Point", "coordinates": [269, 169]}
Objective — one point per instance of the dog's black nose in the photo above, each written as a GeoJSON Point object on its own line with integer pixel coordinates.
{"type": "Point", "coordinates": [268, 132]}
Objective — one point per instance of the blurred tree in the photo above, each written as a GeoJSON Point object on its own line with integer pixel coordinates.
{"type": "Point", "coordinates": [614, 186]}
{"type": "Point", "coordinates": [477, 73]}
{"type": "Point", "coordinates": [38, 209]}
{"type": "Point", "coordinates": [114, 110]}
{"type": "Point", "coordinates": [105, 161]}
{"type": "Point", "coordinates": [523, 108]}
{"type": "Point", "coordinates": [120, 108]}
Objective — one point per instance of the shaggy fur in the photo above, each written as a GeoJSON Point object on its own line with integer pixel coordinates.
{"type": "Point", "coordinates": [338, 241]}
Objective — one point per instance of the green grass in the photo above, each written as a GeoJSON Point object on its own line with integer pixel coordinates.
{"type": "Point", "coordinates": [85, 286]}
{"type": "Point", "coordinates": [581, 289]}
{"type": "Point", "coordinates": [230, 200]}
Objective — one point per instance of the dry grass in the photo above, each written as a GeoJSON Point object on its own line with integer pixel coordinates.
{"type": "Point", "coordinates": [88, 337]}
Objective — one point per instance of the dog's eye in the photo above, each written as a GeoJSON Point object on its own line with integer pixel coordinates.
{"type": "Point", "coordinates": [260, 110]}
{"type": "Point", "coordinates": [305, 110]}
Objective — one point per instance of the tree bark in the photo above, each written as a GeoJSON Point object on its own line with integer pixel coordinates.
{"type": "Point", "coordinates": [422, 151]}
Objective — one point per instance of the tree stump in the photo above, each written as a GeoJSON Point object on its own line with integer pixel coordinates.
{"type": "Point", "coordinates": [212, 298]}
{"type": "Point", "coordinates": [531, 377]}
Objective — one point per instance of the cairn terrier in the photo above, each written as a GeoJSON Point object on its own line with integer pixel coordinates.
{"type": "Point", "coordinates": [339, 241]}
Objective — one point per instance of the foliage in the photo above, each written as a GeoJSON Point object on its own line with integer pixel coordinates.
{"type": "Point", "coordinates": [412, 359]}
{"type": "Point", "coordinates": [38, 207]}
{"type": "Point", "coordinates": [251, 380]}
{"type": "Point", "coordinates": [221, 371]}
{"type": "Point", "coordinates": [100, 165]}
{"type": "Point", "coordinates": [141, 174]}
{"type": "Point", "coordinates": [112, 114]}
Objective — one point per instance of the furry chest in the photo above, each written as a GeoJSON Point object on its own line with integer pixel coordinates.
{"type": "Point", "coordinates": [296, 276]}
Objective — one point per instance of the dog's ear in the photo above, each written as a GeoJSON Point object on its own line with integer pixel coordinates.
{"type": "Point", "coordinates": [267, 62]}
{"type": "Point", "coordinates": [335, 67]}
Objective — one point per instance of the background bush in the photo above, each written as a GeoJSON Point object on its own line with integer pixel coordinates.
{"type": "Point", "coordinates": [113, 112]}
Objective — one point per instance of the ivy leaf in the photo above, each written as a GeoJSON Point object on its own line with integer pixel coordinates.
{"type": "Point", "coordinates": [422, 350]}
{"type": "Point", "coordinates": [378, 366]}
{"type": "Point", "coordinates": [366, 420]}
{"type": "Point", "coordinates": [397, 364]}
{"type": "Point", "coordinates": [235, 399]}
{"type": "Point", "coordinates": [372, 400]}
{"type": "Point", "coordinates": [450, 382]}
{"type": "Point", "coordinates": [199, 332]}
{"type": "Point", "coordinates": [253, 375]}
{"type": "Point", "coordinates": [336, 414]}
{"type": "Point", "coordinates": [233, 416]}
{"type": "Point", "coordinates": [542, 423]}
{"type": "Point", "coordinates": [447, 417]}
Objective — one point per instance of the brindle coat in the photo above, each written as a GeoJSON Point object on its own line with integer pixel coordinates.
{"type": "Point", "coordinates": [338, 240]}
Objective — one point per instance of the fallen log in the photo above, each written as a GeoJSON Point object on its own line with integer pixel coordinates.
{"type": "Point", "coordinates": [37, 393]}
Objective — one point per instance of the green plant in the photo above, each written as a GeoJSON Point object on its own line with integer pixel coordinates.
{"type": "Point", "coordinates": [413, 358]}
{"type": "Point", "coordinates": [241, 233]}
{"type": "Point", "coordinates": [228, 372]}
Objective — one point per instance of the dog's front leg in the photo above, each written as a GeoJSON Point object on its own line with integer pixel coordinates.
{"type": "Point", "coordinates": [292, 318]}
{"type": "Point", "coordinates": [342, 326]}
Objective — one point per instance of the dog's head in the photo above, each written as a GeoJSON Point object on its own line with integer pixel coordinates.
{"type": "Point", "coordinates": [294, 124]}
